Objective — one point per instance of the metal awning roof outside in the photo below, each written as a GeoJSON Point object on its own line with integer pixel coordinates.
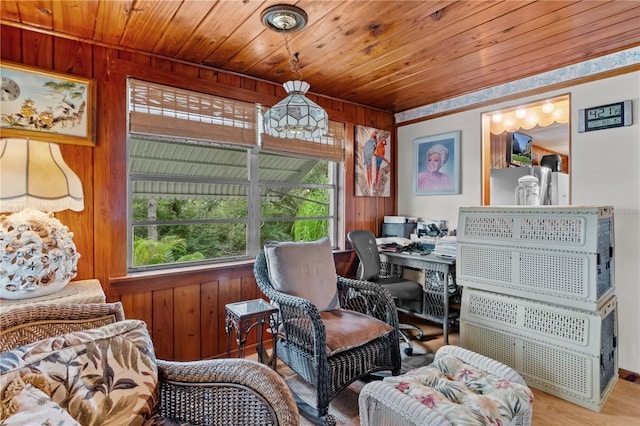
{"type": "Point", "coordinates": [166, 168]}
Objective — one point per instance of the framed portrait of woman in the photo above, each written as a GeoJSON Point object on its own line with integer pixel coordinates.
{"type": "Point", "coordinates": [436, 168]}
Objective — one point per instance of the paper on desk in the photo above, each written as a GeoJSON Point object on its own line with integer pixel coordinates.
{"type": "Point", "coordinates": [446, 247]}
{"type": "Point", "coordinates": [393, 240]}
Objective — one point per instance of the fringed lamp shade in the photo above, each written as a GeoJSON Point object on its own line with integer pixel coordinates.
{"type": "Point", "coordinates": [37, 253]}
{"type": "Point", "coordinates": [34, 174]}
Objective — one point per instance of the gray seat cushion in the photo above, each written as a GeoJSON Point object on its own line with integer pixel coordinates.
{"type": "Point", "coordinates": [408, 294]}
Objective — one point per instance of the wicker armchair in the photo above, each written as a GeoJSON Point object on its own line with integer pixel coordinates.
{"type": "Point", "coordinates": [210, 392]}
{"type": "Point", "coordinates": [30, 323]}
{"type": "Point", "coordinates": [302, 343]}
{"type": "Point", "coordinates": [225, 392]}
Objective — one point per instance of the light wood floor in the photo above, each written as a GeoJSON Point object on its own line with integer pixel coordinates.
{"type": "Point", "coordinates": [622, 407]}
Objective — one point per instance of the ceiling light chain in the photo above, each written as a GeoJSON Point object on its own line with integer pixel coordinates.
{"type": "Point", "coordinates": [294, 60]}
{"type": "Point", "coordinates": [296, 115]}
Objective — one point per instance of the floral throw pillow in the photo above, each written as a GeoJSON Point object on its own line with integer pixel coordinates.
{"type": "Point", "coordinates": [34, 407]}
{"type": "Point", "coordinates": [102, 376]}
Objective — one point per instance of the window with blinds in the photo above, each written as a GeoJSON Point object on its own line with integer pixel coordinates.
{"type": "Point", "coordinates": [155, 109]}
{"type": "Point", "coordinates": [203, 188]}
{"type": "Point", "coordinates": [168, 111]}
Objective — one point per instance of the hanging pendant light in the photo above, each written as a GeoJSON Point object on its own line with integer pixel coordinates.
{"type": "Point", "coordinates": [296, 115]}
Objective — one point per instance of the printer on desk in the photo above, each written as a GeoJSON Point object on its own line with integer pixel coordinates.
{"type": "Point", "coordinates": [397, 226]}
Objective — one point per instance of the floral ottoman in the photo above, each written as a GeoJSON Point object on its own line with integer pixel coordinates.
{"type": "Point", "coordinates": [460, 387]}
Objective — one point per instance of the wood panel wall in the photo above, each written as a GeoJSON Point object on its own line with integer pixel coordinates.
{"type": "Point", "coordinates": [498, 151]}
{"type": "Point", "coordinates": [183, 309]}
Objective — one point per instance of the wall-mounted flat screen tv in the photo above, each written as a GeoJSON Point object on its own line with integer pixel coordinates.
{"type": "Point", "coordinates": [519, 150]}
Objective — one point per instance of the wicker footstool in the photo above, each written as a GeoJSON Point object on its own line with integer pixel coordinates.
{"type": "Point", "coordinates": [459, 387]}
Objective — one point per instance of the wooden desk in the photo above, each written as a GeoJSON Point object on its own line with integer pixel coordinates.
{"type": "Point", "coordinates": [439, 284]}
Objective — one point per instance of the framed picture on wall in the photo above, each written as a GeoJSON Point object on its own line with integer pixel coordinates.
{"type": "Point", "coordinates": [45, 105]}
{"type": "Point", "coordinates": [373, 162]}
{"type": "Point", "coordinates": [436, 168]}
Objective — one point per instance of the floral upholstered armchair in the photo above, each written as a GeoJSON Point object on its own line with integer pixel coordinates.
{"type": "Point", "coordinates": [109, 375]}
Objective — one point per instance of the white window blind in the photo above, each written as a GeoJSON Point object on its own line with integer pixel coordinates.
{"type": "Point", "coordinates": [164, 111]}
{"type": "Point", "coordinates": [329, 147]}
{"type": "Point", "coordinates": [168, 111]}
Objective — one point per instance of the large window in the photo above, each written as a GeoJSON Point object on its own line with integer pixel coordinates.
{"type": "Point", "coordinates": [207, 191]}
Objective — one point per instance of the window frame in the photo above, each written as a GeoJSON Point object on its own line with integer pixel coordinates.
{"type": "Point", "coordinates": [254, 218]}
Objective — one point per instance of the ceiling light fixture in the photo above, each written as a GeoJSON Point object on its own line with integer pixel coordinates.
{"type": "Point", "coordinates": [548, 107]}
{"type": "Point", "coordinates": [296, 115]}
{"type": "Point", "coordinates": [527, 117]}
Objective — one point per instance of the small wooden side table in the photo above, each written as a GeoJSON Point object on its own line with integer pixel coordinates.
{"type": "Point", "coordinates": [81, 291]}
{"type": "Point", "coordinates": [244, 316]}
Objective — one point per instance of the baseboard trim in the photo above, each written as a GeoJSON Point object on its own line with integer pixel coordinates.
{"type": "Point", "coordinates": [629, 376]}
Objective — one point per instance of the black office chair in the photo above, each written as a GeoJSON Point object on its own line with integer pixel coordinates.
{"type": "Point", "coordinates": [407, 294]}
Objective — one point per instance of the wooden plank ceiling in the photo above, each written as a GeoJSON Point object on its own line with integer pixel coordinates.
{"type": "Point", "coordinates": [392, 55]}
